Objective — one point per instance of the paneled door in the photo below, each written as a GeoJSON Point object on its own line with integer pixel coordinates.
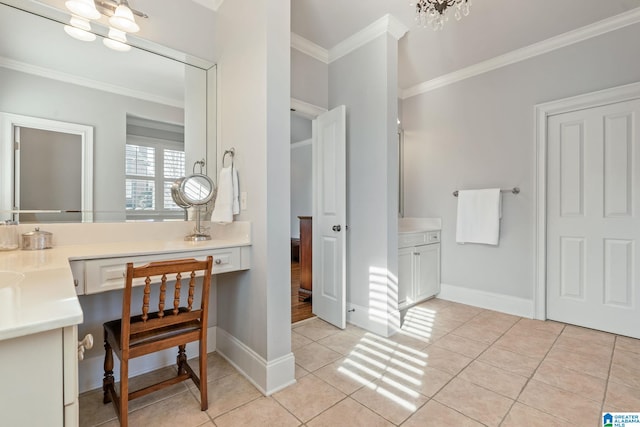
{"type": "Point", "coordinates": [329, 300]}
{"type": "Point", "coordinates": [593, 218]}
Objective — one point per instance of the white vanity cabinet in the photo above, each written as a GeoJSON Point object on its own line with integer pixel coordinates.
{"type": "Point", "coordinates": [418, 267]}
{"type": "Point", "coordinates": [40, 379]}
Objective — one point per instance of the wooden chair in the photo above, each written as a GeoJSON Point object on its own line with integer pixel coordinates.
{"type": "Point", "coordinates": [148, 332]}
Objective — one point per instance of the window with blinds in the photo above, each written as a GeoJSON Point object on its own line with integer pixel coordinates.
{"type": "Point", "coordinates": [151, 167]}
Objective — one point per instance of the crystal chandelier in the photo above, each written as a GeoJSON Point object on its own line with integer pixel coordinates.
{"type": "Point", "coordinates": [435, 12]}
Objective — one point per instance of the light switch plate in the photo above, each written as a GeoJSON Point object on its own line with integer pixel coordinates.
{"type": "Point", "coordinates": [243, 200]}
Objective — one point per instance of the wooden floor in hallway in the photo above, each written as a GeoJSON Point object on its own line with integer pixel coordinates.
{"type": "Point", "coordinates": [300, 310]}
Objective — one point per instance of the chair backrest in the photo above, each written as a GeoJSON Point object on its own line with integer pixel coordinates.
{"type": "Point", "coordinates": [180, 310]}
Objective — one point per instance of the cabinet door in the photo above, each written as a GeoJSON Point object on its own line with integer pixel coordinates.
{"type": "Point", "coordinates": [427, 280]}
{"type": "Point", "coordinates": [405, 277]}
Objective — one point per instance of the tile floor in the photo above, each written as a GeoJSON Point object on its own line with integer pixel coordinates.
{"type": "Point", "coordinates": [451, 365]}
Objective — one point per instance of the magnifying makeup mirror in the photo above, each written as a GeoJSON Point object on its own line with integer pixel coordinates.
{"type": "Point", "coordinates": [194, 191]}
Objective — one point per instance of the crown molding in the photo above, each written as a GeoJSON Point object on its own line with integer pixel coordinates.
{"type": "Point", "coordinates": [210, 4]}
{"type": "Point", "coordinates": [387, 24]}
{"type": "Point", "coordinates": [82, 81]}
{"type": "Point", "coordinates": [306, 110]}
{"type": "Point", "coordinates": [309, 48]}
{"type": "Point", "coordinates": [571, 37]}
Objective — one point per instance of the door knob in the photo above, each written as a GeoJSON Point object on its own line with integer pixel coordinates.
{"type": "Point", "coordinates": [336, 228]}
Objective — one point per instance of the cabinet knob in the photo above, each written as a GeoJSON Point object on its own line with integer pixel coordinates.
{"type": "Point", "coordinates": [218, 261]}
{"type": "Point", "coordinates": [336, 228]}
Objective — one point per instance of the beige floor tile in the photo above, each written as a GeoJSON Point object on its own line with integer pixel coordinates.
{"type": "Point", "coordinates": [477, 332]}
{"type": "Point", "coordinates": [566, 357]}
{"type": "Point", "coordinates": [431, 381]}
{"type": "Point", "coordinates": [182, 409]}
{"type": "Point", "coordinates": [509, 361]}
{"type": "Point", "coordinates": [308, 397]}
{"type": "Point", "coordinates": [228, 393]}
{"type": "Point", "coordinates": [464, 346]}
{"type": "Point", "coordinates": [628, 344]}
{"type": "Point", "coordinates": [263, 412]}
{"type": "Point", "coordinates": [474, 401]}
{"type": "Point", "coordinates": [348, 375]}
{"type": "Point", "coordinates": [562, 404]}
{"type": "Point", "coordinates": [434, 304]}
{"type": "Point", "coordinates": [495, 379]}
{"type": "Point", "coordinates": [351, 413]}
{"type": "Point", "coordinates": [540, 326]}
{"type": "Point", "coordinates": [529, 343]}
{"type": "Point", "coordinates": [341, 342]}
{"type": "Point", "coordinates": [458, 312]}
{"type": "Point", "coordinates": [586, 334]}
{"type": "Point", "coordinates": [300, 372]}
{"type": "Point", "coordinates": [525, 416]}
{"type": "Point", "coordinates": [571, 380]}
{"type": "Point", "coordinates": [92, 411]}
{"type": "Point", "coordinates": [314, 356]}
{"type": "Point", "coordinates": [217, 366]}
{"type": "Point", "coordinates": [316, 329]}
{"type": "Point", "coordinates": [390, 399]}
{"type": "Point", "coordinates": [622, 397]}
{"type": "Point", "coordinates": [446, 360]}
{"type": "Point", "coordinates": [625, 368]}
{"type": "Point", "coordinates": [435, 414]}
{"type": "Point", "coordinates": [494, 320]}
{"type": "Point", "coordinates": [411, 337]}
{"type": "Point", "coordinates": [584, 346]}
{"type": "Point", "coordinates": [298, 340]}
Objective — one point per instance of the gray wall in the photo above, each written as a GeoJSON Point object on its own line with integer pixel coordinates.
{"type": "Point", "coordinates": [366, 82]}
{"type": "Point", "coordinates": [300, 128]}
{"type": "Point", "coordinates": [309, 79]}
{"type": "Point", "coordinates": [480, 133]}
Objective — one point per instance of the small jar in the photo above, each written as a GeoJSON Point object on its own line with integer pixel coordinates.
{"type": "Point", "coordinates": [9, 236]}
{"type": "Point", "coordinates": [37, 239]}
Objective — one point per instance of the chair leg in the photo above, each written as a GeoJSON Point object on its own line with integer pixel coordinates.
{"type": "Point", "coordinates": [204, 399]}
{"type": "Point", "coordinates": [181, 359]}
{"type": "Point", "coordinates": [107, 381]}
{"type": "Point", "coordinates": [124, 392]}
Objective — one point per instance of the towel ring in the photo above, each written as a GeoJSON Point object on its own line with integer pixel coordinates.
{"type": "Point", "coordinates": [230, 151]}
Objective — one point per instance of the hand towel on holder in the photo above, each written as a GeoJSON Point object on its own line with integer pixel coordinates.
{"type": "Point", "coordinates": [479, 213]}
{"type": "Point", "coordinates": [227, 197]}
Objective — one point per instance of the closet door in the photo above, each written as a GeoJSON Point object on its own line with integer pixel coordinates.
{"type": "Point", "coordinates": [593, 218]}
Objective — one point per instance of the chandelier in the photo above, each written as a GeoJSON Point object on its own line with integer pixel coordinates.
{"type": "Point", "coordinates": [435, 12]}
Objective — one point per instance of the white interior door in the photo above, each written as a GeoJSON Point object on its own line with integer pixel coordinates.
{"type": "Point", "coordinates": [329, 216]}
{"type": "Point", "coordinates": [593, 222]}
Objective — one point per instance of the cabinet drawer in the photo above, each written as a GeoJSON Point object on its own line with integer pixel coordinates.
{"type": "Point", "coordinates": [412, 239]}
{"type": "Point", "coordinates": [107, 274]}
{"type": "Point", "coordinates": [433, 237]}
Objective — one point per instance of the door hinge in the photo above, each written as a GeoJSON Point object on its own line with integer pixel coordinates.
{"type": "Point", "coordinates": [16, 146]}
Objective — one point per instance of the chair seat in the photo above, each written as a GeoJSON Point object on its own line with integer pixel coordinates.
{"type": "Point", "coordinates": [114, 329]}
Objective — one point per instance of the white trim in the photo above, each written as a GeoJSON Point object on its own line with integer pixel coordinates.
{"type": "Point", "coordinates": [575, 36]}
{"type": "Point", "coordinates": [387, 24]}
{"type": "Point", "coordinates": [309, 48]}
{"type": "Point", "coordinates": [90, 371]}
{"type": "Point", "coordinates": [267, 376]}
{"type": "Point", "coordinates": [9, 181]}
{"type": "Point", "coordinates": [488, 300]}
{"type": "Point", "coordinates": [542, 113]}
{"type": "Point", "coordinates": [83, 81]}
{"type": "Point", "coordinates": [301, 144]}
{"type": "Point", "coordinates": [306, 110]}
{"type": "Point", "coordinates": [362, 317]}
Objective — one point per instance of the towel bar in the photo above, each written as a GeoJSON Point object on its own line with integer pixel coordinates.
{"type": "Point", "coordinates": [514, 190]}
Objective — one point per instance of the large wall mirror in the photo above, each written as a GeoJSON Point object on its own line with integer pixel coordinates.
{"type": "Point", "coordinates": [138, 96]}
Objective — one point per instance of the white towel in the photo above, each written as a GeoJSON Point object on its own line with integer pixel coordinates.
{"type": "Point", "coordinates": [479, 213]}
{"type": "Point", "coordinates": [227, 199]}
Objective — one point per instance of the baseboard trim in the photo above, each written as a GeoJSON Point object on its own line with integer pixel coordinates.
{"type": "Point", "coordinates": [267, 376]}
{"type": "Point", "coordinates": [489, 300]}
{"type": "Point", "coordinates": [91, 370]}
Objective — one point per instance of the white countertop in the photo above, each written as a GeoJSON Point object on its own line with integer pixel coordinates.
{"type": "Point", "coordinates": [46, 299]}
{"type": "Point", "coordinates": [416, 225]}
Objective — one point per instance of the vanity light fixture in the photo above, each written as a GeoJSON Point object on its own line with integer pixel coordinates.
{"type": "Point", "coordinates": [80, 29]}
{"type": "Point", "coordinates": [121, 21]}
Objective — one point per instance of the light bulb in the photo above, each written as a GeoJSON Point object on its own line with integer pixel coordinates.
{"type": "Point", "coordinates": [117, 35]}
{"type": "Point", "coordinates": [79, 34]}
{"type": "Point", "coordinates": [123, 19]}
{"type": "Point", "coordinates": [84, 8]}
{"type": "Point", "coordinates": [81, 23]}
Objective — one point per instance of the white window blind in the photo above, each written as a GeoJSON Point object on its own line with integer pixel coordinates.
{"type": "Point", "coordinates": [151, 167]}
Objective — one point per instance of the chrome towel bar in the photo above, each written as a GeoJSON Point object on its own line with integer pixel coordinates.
{"type": "Point", "coordinates": [514, 190]}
